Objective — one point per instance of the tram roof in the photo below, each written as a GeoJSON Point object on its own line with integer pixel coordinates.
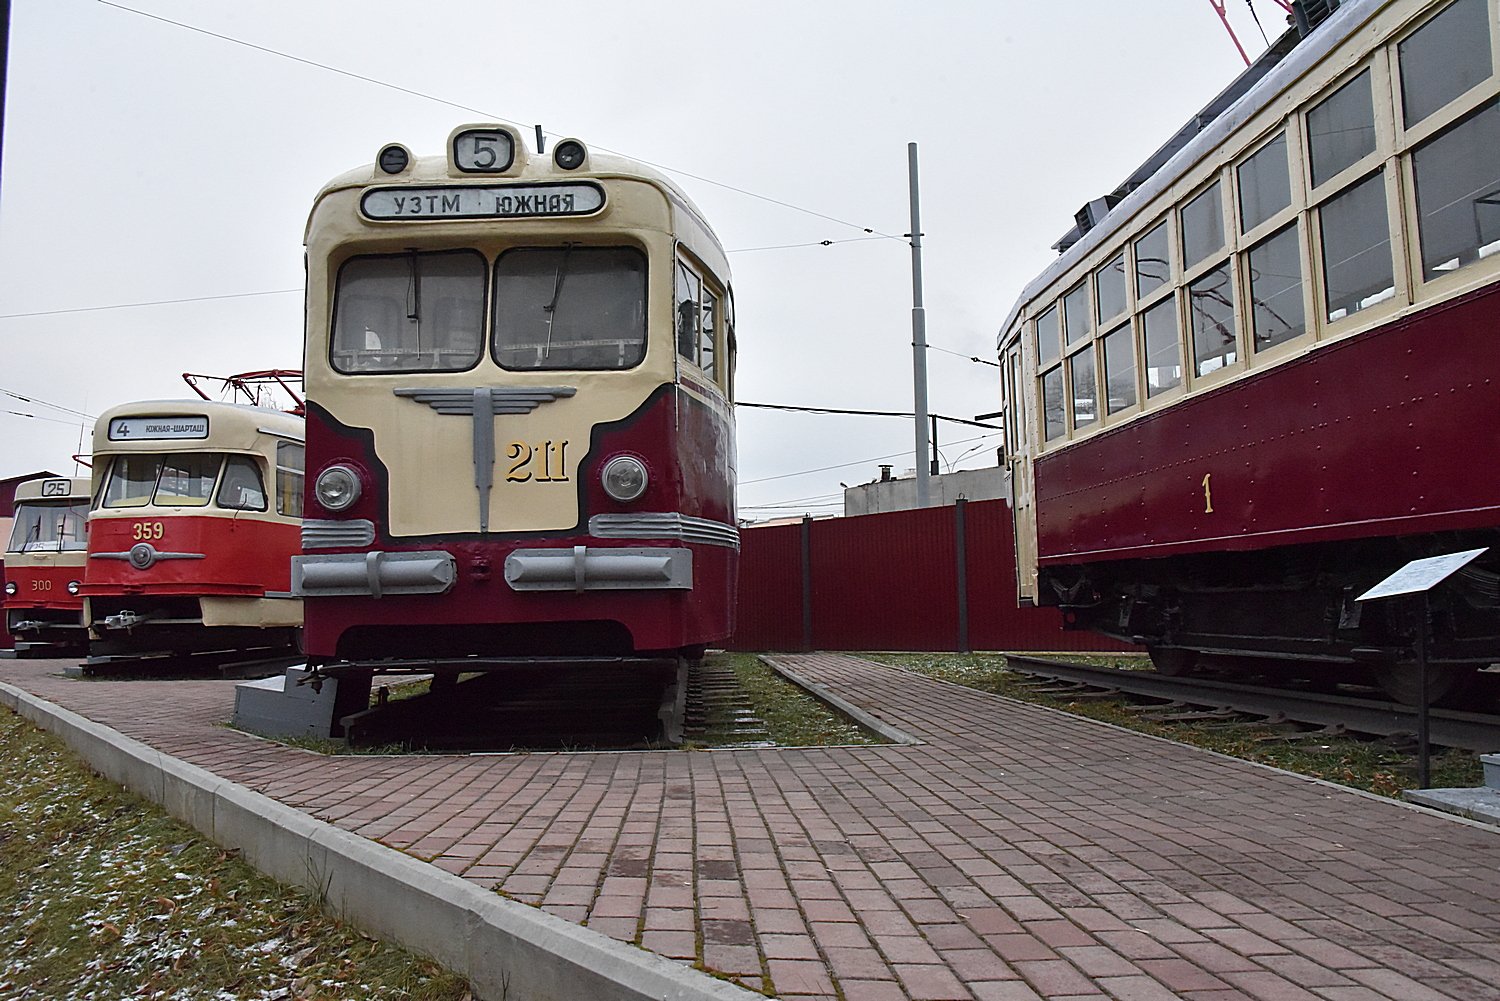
{"type": "Point", "coordinates": [1285, 62]}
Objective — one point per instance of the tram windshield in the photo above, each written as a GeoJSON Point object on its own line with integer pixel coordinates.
{"type": "Point", "coordinates": [184, 479]}
{"type": "Point", "coordinates": [570, 308]}
{"type": "Point", "coordinates": [413, 312]}
{"type": "Point", "coordinates": [50, 528]}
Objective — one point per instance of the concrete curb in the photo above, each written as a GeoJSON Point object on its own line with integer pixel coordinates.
{"type": "Point", "coordinates": [822, 692]}
{"type": "Point", "coordinates": [509, 951]}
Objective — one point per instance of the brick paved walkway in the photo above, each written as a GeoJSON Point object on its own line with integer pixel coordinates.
{"type": "Point", "coordinates": [1018, 853]}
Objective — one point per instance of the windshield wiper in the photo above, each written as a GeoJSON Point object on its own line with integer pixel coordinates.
{"type": "Point", "coordinates": [551, 308]}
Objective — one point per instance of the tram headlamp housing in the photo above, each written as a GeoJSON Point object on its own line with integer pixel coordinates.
{"type": "Point", "coordinates": [337, 488]}
{"type": "Point", "coordinates": [624, 478]}
{"type": "Point", "coordinates": [569, 154]}
{"type": "Point", "coordinates": [394, 158]}
{"type": "Point", "coordinates": [10, 587]}
{"type": "Point", "coordinates": [74, 587]}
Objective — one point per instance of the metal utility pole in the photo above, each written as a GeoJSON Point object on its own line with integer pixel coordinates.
{"type": "Point", "coordinates": [4, 62]}
{"type": "Point", "coordinates": [918, 331]}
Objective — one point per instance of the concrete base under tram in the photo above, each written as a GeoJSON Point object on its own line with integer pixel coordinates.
{"type": "Point", "coordinates": [558, 703]}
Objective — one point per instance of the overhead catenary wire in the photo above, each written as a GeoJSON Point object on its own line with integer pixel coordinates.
{"type": "Point", "coordinates": [43, 403]}
{"type": "Point", "coordinates": [490, 115]}
{"type": "Point", "coordinates": [153, 302]}
{"type": "Point", "coordinates": [858, 413]}
{"type": "Point", "coordinates": [859, 462]}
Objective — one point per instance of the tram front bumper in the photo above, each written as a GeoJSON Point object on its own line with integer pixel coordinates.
{"type": "Point", "coordinates": [581, 568]}
{"type": "Point", "coordinates": [372, 574]}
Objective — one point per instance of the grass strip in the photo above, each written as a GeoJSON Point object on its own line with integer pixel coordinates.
{"type": "Point", "coordinates": [103, 895]}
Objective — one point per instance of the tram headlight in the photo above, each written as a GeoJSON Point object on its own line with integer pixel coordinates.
{"type": "Point", "coordinates": [337, 488]}
{"type": "Point", "coordinates": [10, 587]}
{"type": "Point", "coordinates": [569, 154]}
{"type": "Point", "coordinates": [624, 478]}
{"type": "Point", "coordinates": [74, 587]}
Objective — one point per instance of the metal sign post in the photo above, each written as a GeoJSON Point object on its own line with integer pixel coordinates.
{"type": "Point", "coordinates": [1420, 577]}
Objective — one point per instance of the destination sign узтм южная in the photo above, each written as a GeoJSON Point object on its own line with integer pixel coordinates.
{"type": "Point", "coordinates": [511, 201]}
{"type": "Point", "coordinates": [157, 428]}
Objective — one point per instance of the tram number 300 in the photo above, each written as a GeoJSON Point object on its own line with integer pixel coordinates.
{"type": "Point", "coordinates": [530, 464]}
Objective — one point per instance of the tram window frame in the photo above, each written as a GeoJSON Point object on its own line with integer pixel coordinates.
{"type": "Point", "coordinates": [1109, 267]}
{"type": "Point", "coordinates": [1256, 346]}
{"type": "Point", "coordinates": [1250, 167]}
{"type": "Point", "coordinates": [381, 359]}
{"type": "Point", "coordinates": [1194, 211]}
{"type": "Point", "coordinates": [291, 479]}
{"type": "Point", "coordinates": [1046, 389]}
{"type": "Point", "coordinates": [1147, 297]}
{"type": "Point", "coordinates": [1124, 335]}
{"type": "Point", "coordinates": [1229, 354]}
{"type": "Point", "coordinates": [1077, 309]}
{"type": "Point", "coordinates": [245, 502]}
{"type": "Point", "coordinates": [1167, 306]}
{"type": "Point", "coordinates": [638, 327]}
{"type": "Point", "coordinates": [1434, 271]}
{"type": "Point", "coordinates": [1048, 331]}
{"type": "Point", "coordinates": [687, 292]}
{"type": "Point", "coordinates": [1434, 117]}
{"type": "Point", "coordinates": [1339, 163]}
{"type": "Point", "coordinates": [1367, 306]}
{"type": "Point", "coordinates": [708, 330]}
{"type": "Point", "coordinates": [1074, 389]}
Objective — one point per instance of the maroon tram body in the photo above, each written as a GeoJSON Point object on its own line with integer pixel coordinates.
{"type": "Point", "coordinates": [1264, 374]}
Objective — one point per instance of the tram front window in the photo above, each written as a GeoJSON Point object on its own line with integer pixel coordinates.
{"type": "Point", "coordinates": [52, 528]}
{"type": "Point", "coordinates": [570, 308]}
{"type": "Point", "coordinates": [412, 312]}
{"type": "Point", "coordinates": [184, 479]}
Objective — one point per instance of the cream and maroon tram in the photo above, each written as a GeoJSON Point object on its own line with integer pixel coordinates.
{"type": "Point", "coordinates": [520, 433]}
{"type": "Point", "coordinates": [196, 517]}
{"type": "Point", "coordinates": [1263, 373]}
{"type": "Point", "coordinates": [44, 565]}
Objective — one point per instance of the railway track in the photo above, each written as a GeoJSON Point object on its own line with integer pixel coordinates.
{"type": "Point", "coordinates": [1197, 699]}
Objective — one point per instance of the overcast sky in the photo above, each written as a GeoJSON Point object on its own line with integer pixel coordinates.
{"type": "Point", "coordinates": [146, 162]}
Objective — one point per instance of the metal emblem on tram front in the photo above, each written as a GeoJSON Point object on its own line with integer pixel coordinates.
{"type": "Point", "coordinates": [484, 403]}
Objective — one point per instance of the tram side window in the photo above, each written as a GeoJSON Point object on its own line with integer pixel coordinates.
{"type": "Point", "coordinates": [1458, 194]}
{"type": "Point", "coordinates": [289, 478]}
{"type": "Point", "coordinates": [1163, 347]}
{"type": "Point", "coordinates": [570, 308]}
{"type": "Point", "coordinates": [1085, 388]}
{"type": "Point", "coordinates": [1119, 368]}
{"type": "Point", "coordinates": [241, 488]}
{"type": "Point", "coordinates": [1048, 348]}
{"type": "Point", "coordinates": [1276, 310]}
{"type": "Point", "coordinates": [1357, 266]}
{"type": "Point", "coordinates": [709, 329]}
{"type": "Point", "coordinates": [1341, 130]}
{"type": "Point", "coordinates": [1052, 404]}
{"type": "Point", "coordinates": [132, 478]}
{"type": "Point", "coordinates": [1109, 287]}
{"type": "Point", "coordinates": [1444, 58]}
{"type": "Point", "coordinates": [1153, 264]}
{"type": "Point", "coordinates": [412, 312]}
{"type": "Point", "coordinates": [688, 288]}
{"type": "Point", "coordinates": [1202, 227]}
{"type": "Point", "coordinates": [1211, 309]}
{"type": "Point", "coordinates": [1265, 184]}
{"type": "Point", "coordinates": [1076, 313]}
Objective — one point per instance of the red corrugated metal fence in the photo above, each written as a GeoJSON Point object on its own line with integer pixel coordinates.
{"type": "Point", "coordinates": [893, 582]}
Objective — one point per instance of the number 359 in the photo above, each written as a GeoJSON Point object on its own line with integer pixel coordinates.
{"type": "Point", "coordinates": [147, 530]}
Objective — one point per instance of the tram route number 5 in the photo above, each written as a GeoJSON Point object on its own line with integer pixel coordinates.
{"type": "Point", "coordinates": [535, 465]}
